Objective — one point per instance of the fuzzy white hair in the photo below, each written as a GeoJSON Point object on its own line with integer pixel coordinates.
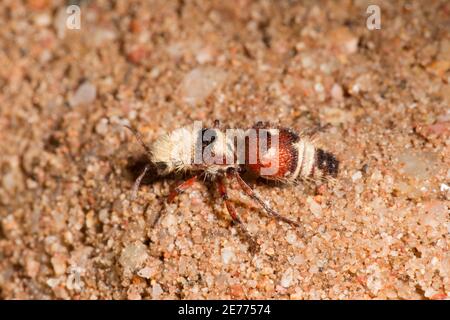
{"type": "Point", "coordinates": [305, 162]}
{"type": "Point", "coordinates": [175, 150]}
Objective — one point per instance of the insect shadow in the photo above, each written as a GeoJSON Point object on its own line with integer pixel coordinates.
{"type": "Point", "coordinates": [135, 166]}
{"type": "Point", "coordinates": [137, 163]}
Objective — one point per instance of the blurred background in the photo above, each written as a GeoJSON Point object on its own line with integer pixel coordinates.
{"type": "Point", "coordinates": [375, 73]}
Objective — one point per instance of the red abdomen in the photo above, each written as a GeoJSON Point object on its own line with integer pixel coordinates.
{"type": "Point", "coordinates": [272, 162]}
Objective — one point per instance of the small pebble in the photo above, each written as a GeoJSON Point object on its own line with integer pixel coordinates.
{"type": "Point", "coordinates": [133, 256]}
{"type": "Point", "coordinates": [237, 292]}
{"type": "Point", "coordinates": [291, 237]}
{"type": "Point", "coordinates": [102, 127]}
{"type": "Point", "coordinates": [42, 20]}
{"type": "Point", "coordinates": [53, 282]}
{"type": "Point", "coordinates": [59, 264]}
{"type": "Point", "coordinates": [85, 94]}
{"type": "Point", "coordinates": [146, 272]}
{"type": "Point", "coordinates": [336, 92]}
{"type": "Point", "coordinates": [344, 40]}
{"type": "Point", "coordinates": [356, 176]}
{"type": "Point", "coordinates": [157, 291]}
{"type": "Point", "coordinates": [199, 83]}
{"type": "Point", "coordinates": [227, 255]}
{"type": "Point", "coordinates": [315, 208]}
{"type": "Point", "coordinates": [286, 279]}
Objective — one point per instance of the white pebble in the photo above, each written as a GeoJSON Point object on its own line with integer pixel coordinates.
{"type": "Point", "coordinates": [43, 20]}
{"type": "Point", "coordinates": [315, 208]}
{"type": "Point", "coordinates": [9, 181]}
{"type": "Point", "coordinates": [198, 84]}
{"type": "Point", "coordinates": [103, 215]}
{"type": "Point", "coordinates": [318, 87]}
{"type": "Point", "coordinates": [146, 272]}
{"type": "Point", "coordinates": [336, 92]}
{"type": "Point", "coordinates": [156, 291]}
{"type": "Point", "coordinates": [133, 256]}
{"type": "Point", "coordinates": [374, 284]}
{"type": "Point", "coordinates": [429, 292]}
{"type": "Point", "coordinates": [307, 61]}
{"type": "Point", "coordinates": [298, 260]}
{"type": "Point", "coordinates": [434, 261]}
{"type": "Point", "coordinates": [286, 278]}
{"type": "Point", "coordinates": [204, 56]}
{"type": "Point", "coordinates": [170, 222]}
{"type": "Point", "coordinates": [376, 175]}
{"type": "Point", "coordinates": [227, 255]}
{"type": "Point", "coordinates": [291, 237]}
{"type": "Point", "coordinates": [356, 176]}
{"type": "Point", "coordinates": [53, 282]}
{"type": "Point", "coordinates": [102, 127]}
{"type": "Point", "coordinates": [85, 94]}
{"type": "Point", "coordinates": [101, 35]}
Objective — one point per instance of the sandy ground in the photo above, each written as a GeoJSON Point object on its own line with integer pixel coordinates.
{"type": "Point", "coordinates": [68, 226]}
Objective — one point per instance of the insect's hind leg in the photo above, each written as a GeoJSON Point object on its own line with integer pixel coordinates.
{"type": "Point", "coordinates": [254, 247]}
{"type": "Point", "coordinates": [249, 191]}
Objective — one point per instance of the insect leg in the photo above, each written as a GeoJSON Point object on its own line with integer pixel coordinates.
{"type": "Point", "coordinates": [139, 138]}
{"type": "Point", "coordinates": [232, 211]}
{"type": "Point", "coordinates": [249, 191]}
{"type": "Point", "coordinates": [137, 183]}
{"type": "Point", "coordinates": [181, 188]}
{"type": "Point", "coordinates": [314, 132]}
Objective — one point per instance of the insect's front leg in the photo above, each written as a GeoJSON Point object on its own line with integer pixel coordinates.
{"type": "Point", "coordinates": [254, 247]}
{"type": "Point", "coordinates": [181, 188]}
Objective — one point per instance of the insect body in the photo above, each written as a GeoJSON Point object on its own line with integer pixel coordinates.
{"type": "Point", "coordinates": [267, 151]}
